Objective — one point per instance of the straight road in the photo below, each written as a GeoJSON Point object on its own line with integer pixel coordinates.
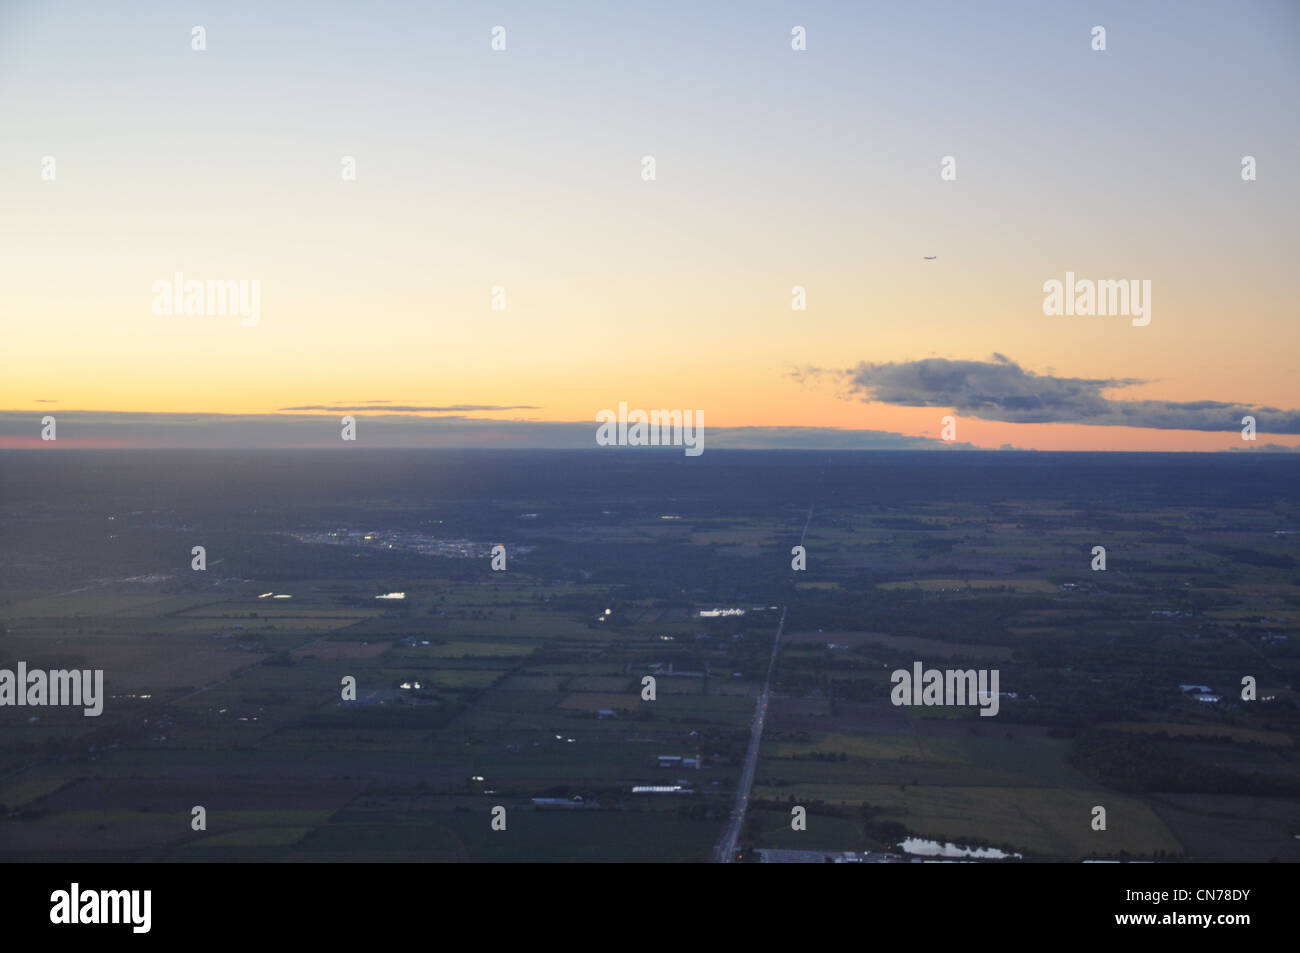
{"type": "Point", "coordinates": [725, 852]}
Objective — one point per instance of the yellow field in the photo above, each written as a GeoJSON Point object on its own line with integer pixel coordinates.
{"type": "Point", "coordinates": [1052, 821]}
{"type": "Point", "coordinates": [29, 785]}
{"type": "Point", "coordinates": [903, 643]}
{"type": "Point", "coordinates": [464, 678]}
{"type": "Point", "coordinates": [93, 601]}
{"type": "Point", "coordinates": [1243, 735]}
{"type": "Point", "coordinates": [179, 666]}
{"type": "Point", "coordinates": [476, 648]}
{"type": "Point", "coordinates": [875, 747]}
{"type": "Point", "coordinates": [594, 701]}
{"type": "Point", "coordinates": [1011, 583]}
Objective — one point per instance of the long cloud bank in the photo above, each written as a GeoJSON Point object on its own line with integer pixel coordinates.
{"type": "Point", "coordinates": [379, 429]}
{"type": "Point", "coordinates": [1000, 389]}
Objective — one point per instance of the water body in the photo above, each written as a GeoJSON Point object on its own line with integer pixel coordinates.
{"type": "Point", "coordinates": [932, 848]}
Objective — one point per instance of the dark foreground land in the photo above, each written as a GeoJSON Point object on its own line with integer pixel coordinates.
{"type": "Point", "coordinates": [1122, 688]}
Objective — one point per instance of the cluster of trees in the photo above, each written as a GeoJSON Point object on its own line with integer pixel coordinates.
{"type": "Point", "coordinates": [1142, 763]}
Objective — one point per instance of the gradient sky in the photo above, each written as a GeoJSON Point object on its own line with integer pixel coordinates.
{"type": "Point", "coordinates": [522, 168]}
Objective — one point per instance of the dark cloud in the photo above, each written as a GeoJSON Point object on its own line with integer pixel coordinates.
{"type": "Point", "coordinates": [820, 438]}
{"type": "Point", "coordinates": [1000, 389]}
{"type": "Point", "coordinates": [410, 408]}
{"type": "Point", "coordinates": [382, 430]}
{"type": "Point", "coordinates": [1266, 448]}
{"type": "Point", "coordinates": [809, 374]}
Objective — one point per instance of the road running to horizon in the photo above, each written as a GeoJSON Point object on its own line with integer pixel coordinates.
{"type": "Point", "coordinates": [725, 852]}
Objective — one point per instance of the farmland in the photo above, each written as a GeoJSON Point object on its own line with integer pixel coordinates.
{"type": "Point", "coordinates": [334, 725]}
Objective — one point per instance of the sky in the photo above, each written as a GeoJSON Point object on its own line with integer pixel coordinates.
{"type": "Point", "coordinates": [522, 169]}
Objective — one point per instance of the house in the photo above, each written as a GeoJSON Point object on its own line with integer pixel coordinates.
{"type": "Point", "coordinates": [565, 802]}
{"type": "Point", "coordinates": [677, 761]}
